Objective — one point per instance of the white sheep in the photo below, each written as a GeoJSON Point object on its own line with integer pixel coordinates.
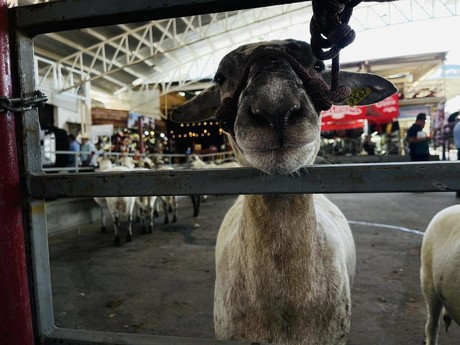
{"type": "Point", "coordinates": [169, 202]}
{"type": "Point", "coordinates": [149, 206]}
{"type": "Point", "coordinates": [197, 163]}
{"type": "Point", "coordinates": [145, 206]}
{"type": "Point", "coordinates": [439, 272]}
{"type": "Point", "coordinates": [284, 263]}
{"type": "Point", "coordinates": [116, 206]}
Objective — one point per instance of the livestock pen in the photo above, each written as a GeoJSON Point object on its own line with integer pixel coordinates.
{"type": "Point", "coordinates": [27, 315]}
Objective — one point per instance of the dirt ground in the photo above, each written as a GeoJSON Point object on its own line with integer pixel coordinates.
{"type": "Point", "coordinates": [162, 283]}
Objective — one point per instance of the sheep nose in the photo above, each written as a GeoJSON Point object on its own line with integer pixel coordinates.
{"type": "Point", "coordinates": [276, 117]}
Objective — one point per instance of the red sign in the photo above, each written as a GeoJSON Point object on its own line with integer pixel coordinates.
{"type": "Point", "coordinates": [384, 111]}
{"type": "Point", "coordinates": [346, 117]}
{"type": "Point", "coordinates": [342, 117]}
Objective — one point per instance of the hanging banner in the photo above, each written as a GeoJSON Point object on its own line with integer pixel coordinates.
{"type": "Point", "coordinates": [347, 117]}
{"type": "Point", "coordinates": [342, 117]}
{"type": "Point", "coordinates": [384, 111]}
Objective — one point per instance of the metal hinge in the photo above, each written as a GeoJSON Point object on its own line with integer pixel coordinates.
{"type": "Point", "coordinates": [18, 105]}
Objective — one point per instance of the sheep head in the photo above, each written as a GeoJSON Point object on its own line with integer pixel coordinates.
{"type": "Point", "coordinates": [268, 96]}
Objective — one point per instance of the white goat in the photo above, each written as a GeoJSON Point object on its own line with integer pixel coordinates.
{"type": "Point", "coordinates": [116, 206]}
{"type": "Point", "coordinates": [284, 263]}
{"type": "Point", "coordinates": [439, 273]}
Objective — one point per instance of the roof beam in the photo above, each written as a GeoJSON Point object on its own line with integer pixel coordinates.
{"type": "Point", "coordinates": [71, 14]}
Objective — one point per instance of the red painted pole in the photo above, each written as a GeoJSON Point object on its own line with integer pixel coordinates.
{"type": "Point", "coordinates": [15, 312]}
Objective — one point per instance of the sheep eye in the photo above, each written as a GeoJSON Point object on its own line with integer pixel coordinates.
{"type": "Point", "coordinates": [219, 78]}
{"type": "Point", "coordinates": [319, 66]}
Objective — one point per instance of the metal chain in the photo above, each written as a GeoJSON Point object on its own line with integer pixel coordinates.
{"type": "Point", "coordinates": [18, 105]}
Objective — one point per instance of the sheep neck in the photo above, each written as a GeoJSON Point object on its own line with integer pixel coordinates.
{"type": "Point", "coordinates": [285, 268]}
{"type": "Point", "coordinates": [281, 230]}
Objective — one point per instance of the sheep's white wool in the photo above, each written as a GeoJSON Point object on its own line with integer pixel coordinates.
{"type": "Point", "coordinates": [439, 272]}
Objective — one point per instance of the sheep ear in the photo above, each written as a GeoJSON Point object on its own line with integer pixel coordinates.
{"type": "Point", "coordinates": [366, 88]}
{"type": "Point", "coordinates": [199, 108]}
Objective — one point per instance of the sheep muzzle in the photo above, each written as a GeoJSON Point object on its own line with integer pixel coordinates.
{"type": "Point", "coordinates": [316, 88]}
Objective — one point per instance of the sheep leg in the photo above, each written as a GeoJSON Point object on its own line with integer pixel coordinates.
{"type": "Point", "coordinates": [129, 237]}
{"type": "Point", "coordinates": [150, 217]}
{"type": "Point", "coordinates": [144, 225]}
{"type": "Point", "coordinates": [174, 206]}
{"type": "Point", "coordinates": [138, 214]}
{"type": "Point", "coordinates": [116, 226]}
{"type": "Point", "coordinates": [156, 207]}
{"type": "Point", "coordinates": [434, 308]}
{"type": "Point", "coordinates": [104, 221]}
{"type": "Point", "coordinates": [165, 209]}
{"type": "Point", "coordinates": [196, 199]}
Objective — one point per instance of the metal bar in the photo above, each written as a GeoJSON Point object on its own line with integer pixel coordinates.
{"type": "Point", "coordinates": [16, 316]}
{"type": "Point", "coordinates": [30, 160]}
{"type": "Point", "coordinates": [84, 337]}
{"type": "Point", "coordinates": [41, 268]}
{"type": "Point", "coordinates": [70, 14]}
{"type": "Point", "coordinates": [346, 178]}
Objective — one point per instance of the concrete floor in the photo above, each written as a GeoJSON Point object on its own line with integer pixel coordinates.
{"type": "Point", "coordinates": [162, 283]}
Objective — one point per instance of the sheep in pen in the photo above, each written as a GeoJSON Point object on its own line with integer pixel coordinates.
{"type": "Point", "coordinates": [284, 263]}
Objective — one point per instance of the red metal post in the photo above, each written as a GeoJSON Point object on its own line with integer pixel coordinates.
{"type": "Point", "coordinates": [15, 311]}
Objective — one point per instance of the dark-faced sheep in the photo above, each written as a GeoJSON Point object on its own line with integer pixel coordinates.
{"type": "Point", "coordinates": [284, 263]}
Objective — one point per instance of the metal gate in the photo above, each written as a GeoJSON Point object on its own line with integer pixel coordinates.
{"type": "Point", "coordinates": [22, 195]}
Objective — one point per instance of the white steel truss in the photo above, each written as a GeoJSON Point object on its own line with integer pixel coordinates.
{"type": "Point", "coordinates": [168, 55]}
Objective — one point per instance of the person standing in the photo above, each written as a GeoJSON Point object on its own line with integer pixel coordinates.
{"type": "Point", "coordinates": [88, 152]}
{"type": "Point", "coordinates": [456, 132]}
{"type": "Point", "coordinates": [418, 140]}
{"type": "Point", "coordinates": [74, 147]}
{"type": "Point", "coordinates": [61, 144]}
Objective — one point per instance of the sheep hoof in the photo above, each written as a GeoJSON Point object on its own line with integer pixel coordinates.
{"type": "Point", "coordinates": [103, 229]}
{"type": "Point", "coordinates": [155, 213]}
{"type": "Point", "coordinates": [150, 229]}
{"type": "Point", "coordinates": [117, 241]}
{"type": "Point", "coordinates": [166, 221]}
{"type": "Point", "coordinates": [129, 238]}
{"type": "Point", "coordinates": [144, 229]}
{"type": "Point", "coordinates": [174, 219]}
